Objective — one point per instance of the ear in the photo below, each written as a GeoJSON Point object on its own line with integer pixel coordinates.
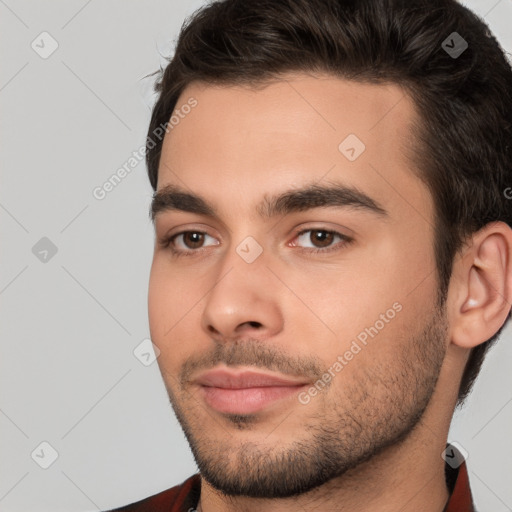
{"type": "Point", "coordinates": [480, 291]}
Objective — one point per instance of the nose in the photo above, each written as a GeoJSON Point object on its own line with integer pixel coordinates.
{"type": "Point", "coordinates": [244, 302]}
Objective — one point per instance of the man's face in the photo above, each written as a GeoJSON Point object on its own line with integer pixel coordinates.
{"type": "Point", "coordinates": [335, 293]}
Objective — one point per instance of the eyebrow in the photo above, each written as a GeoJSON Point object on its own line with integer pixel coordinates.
{"type": "Point", "coordinates": [173, 197]}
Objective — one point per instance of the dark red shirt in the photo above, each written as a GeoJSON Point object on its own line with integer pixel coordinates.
{"type": "Point", "coordinates": [185, 497]}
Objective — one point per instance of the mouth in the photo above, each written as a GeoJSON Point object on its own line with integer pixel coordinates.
{"type": "Point", "coordinates": [245, 392]}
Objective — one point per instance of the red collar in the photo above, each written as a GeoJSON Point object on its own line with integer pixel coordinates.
{"type": "Point", "coordinates": [460, 499]}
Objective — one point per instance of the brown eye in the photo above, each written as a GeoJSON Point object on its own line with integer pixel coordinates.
{"type": "Point", "coordinates": [193, 239]}
{"type": "Point", "coordinates": [188, 243]}
{"type": "Point", "coordinates": [321, 238]}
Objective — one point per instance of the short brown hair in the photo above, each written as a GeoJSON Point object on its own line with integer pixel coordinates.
{"type": "Point", "coordinates": [462, 148]}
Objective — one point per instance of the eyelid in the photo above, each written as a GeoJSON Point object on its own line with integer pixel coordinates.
{"type": "Point", "coordinates": [186, 228]}
{"type": "Point", "coordinates": [324, 226]}
{"type": "Point", "coordinates": [345, 239]}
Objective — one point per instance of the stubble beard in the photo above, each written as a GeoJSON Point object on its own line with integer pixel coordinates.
{"type": "Point", "coordinates": [378, 408]}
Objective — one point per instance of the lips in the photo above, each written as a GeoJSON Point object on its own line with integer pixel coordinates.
{"type": "Point", "coordinates": [228, 379]}
{"type": "Point", "coordinates": [245, 392]}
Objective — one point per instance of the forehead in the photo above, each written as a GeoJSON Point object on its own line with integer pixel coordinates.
{"type": "Point", "coordinates": [304, 106]}
{"type": "Point", "coordinates": [295, 130]}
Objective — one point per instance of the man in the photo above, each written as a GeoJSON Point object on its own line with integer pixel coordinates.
{"type": "Point", "coordinates": [333, 249]}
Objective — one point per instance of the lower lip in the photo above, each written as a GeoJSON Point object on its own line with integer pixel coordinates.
{"type": "Point", "coordinates": [247, 400]}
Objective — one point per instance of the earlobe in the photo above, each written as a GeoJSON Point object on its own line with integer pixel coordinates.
{"type": "Point", "coordinates": [485, 286]}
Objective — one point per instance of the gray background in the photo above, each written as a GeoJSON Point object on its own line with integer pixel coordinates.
{"type": "Point", "coordinates": [70, 324]}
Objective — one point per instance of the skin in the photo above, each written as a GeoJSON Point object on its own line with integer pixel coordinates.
{"type": "Point", "coordinates": [372, 439]}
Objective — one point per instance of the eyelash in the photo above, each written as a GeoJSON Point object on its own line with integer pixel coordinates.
{"type": "Point", "coordinates": [166, 243]}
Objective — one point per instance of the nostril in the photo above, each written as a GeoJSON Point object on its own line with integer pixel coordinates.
{"type": "Point", "coordinates": [254, 324]}
{"type": "Point", "coordinates": [213, 330]}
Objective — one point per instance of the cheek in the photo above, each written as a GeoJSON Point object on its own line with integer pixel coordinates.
{"type": "Point", "coordinates": [171, 294]}
{"type": "Point", "coordinates": [167, 304]}
{"type": "Point", "coordinates": [374, 298]}
{"type": "Point", "coordinates": [158, 302]}
{"type": "Point", "coordinates": [173, 308]}
{"type": "Point", "coordinates": [344, 299]}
